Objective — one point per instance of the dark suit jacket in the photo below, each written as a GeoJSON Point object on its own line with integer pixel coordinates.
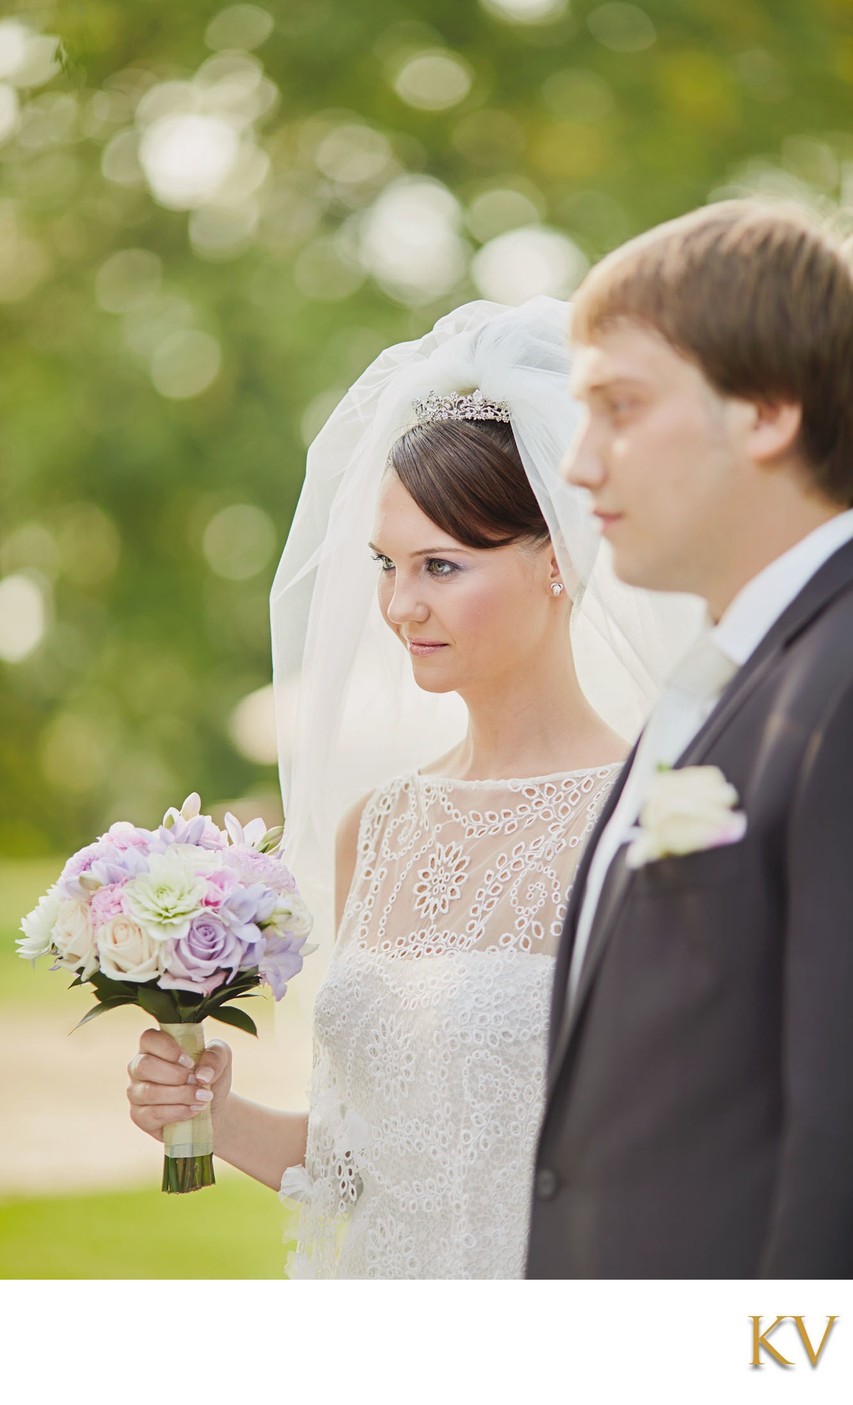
{"type": "Point", "coordinates": [699, 1115]}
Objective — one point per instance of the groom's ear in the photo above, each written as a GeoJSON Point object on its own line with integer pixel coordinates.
{"type": "Point", "coordinates": [773, 431]}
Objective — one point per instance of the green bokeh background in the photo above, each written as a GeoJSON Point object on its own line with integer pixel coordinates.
{"type": "Point", "coordinates": [593, 123]}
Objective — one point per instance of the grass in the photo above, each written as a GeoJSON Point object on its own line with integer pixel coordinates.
{"type": "Point", "coordinates": [234, 1229]}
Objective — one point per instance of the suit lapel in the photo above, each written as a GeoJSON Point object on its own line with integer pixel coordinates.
{"type": "Point", "coordinates": [832, 578]}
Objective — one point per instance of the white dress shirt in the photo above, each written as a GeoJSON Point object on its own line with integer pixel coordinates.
{"type": "Point", "coordinates": [685, 707]}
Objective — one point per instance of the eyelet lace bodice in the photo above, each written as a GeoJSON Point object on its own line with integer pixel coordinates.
{"type": "Point", "coordinates": [430, 1028]}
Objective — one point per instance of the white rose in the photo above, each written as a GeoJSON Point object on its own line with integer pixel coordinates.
{"type": "Point", "coordinates": [687, 810]}
{"type": "Point", "coordinates": [127, 951]}
{"type": "Point", "coordinates": [38, 927]}
{"type": "Point", "coordinates": [74, 937]}
{"type": "Point", "coordinates": [166, 899]}
{"type": "Point", "coordinates": [290, 914]}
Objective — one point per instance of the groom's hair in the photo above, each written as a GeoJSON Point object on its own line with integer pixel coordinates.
{"type": "Point", "coordinates": [760, 298]}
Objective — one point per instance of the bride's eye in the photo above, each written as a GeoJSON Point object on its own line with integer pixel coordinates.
{"type": "Point", "coordinates": [436, 567]}
{"type": "Point", "coordinates": [384, 561]}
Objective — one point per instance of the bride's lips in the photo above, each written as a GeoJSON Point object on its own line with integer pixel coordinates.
{"type": "Point", "coordinates": [422, 648]}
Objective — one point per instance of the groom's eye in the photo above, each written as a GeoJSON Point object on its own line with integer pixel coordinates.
{"type": "Point", "coordinates": [619, 409]}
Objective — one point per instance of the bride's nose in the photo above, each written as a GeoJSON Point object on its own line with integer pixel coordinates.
{"type": "Point", "coordinates": [405, 603]}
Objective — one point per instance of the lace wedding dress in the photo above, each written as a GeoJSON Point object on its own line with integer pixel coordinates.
{"type": "Point", "coordinates": [430, 1028]}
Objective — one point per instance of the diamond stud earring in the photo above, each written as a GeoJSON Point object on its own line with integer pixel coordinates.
{"type": "Point", "coordinates": [557, 587]}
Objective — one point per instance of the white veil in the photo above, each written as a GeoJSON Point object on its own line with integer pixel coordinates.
{"type": "Point", "coordinates": [348, 713]}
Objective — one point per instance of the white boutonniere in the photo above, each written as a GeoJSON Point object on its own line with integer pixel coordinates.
{"type": "Point", "coordinates": [686, 810]}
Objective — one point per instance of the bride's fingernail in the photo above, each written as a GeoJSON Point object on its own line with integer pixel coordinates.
{"type": "Point", "coordinates": [192, 1078]}
{"type": "Point", "coordinates": [186, 1061]}
{"type": "Point", "coordinates": [204, 1095]}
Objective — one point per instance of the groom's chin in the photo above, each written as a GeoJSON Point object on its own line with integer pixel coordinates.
{"type": "Point", "coordinates": [628, 570]}
{"type": "Point", "coordinates": [634, 570]}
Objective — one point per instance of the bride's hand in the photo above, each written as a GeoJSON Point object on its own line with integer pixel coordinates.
{"type": "Point", "coordinates": [165, 1088]}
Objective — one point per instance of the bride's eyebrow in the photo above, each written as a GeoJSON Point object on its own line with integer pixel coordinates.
{"type": "Point", "coordinates": [429, 551]}
{"type": "Point", "coordinates": [443, 551]}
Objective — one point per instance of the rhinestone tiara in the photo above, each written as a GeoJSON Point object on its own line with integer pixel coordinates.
{"type": "Point", "coordinates": [460, 407]}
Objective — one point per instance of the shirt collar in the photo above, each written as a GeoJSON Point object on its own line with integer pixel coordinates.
{"type": "Point", "coordinates": [761, 602]}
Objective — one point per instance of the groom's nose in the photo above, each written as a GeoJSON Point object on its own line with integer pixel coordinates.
{"type": "Point", "coordinates": [582, 466]}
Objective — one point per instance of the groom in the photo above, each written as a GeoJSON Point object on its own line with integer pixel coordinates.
{"type": "Point", "coordinates": [699, 1116]}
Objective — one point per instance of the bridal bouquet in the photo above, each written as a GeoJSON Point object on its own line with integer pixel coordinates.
{"type": "Point", "coordinates": [178, 920]}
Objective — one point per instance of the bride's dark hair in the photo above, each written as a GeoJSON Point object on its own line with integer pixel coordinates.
{"type": "Point", "coordinates": [468, 477]}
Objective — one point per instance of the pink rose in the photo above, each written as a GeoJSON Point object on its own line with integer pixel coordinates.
{"type": "Point", "coordinates": [219, 884]}
{"type": "Point", "coordinates": [128, 836]}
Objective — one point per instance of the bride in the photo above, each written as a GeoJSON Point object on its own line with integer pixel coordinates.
{"type": "Point", "coordinates": [438, 474]}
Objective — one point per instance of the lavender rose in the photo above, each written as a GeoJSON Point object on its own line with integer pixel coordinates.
{"type": "Point", "coordinates": [202, 959]}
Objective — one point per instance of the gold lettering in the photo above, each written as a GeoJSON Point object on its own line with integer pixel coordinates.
{"type": "Point", "coordinates": [759, 1340]}
{"type": "Point", "coordinates": [814, 1356]}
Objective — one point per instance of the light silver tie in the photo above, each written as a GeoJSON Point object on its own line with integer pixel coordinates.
{"type": "Point", "coordinates": [682, 708]}
{"type": "Point", "coordinates": [689, 696]}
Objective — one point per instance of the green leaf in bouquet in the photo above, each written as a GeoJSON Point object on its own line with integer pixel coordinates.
{"type": "Point", "coordinates": [100, 1008]}
{"type": "Point", "coordinates": [238, 989]}
{"type": "Point", "coordinates": [108, 989]}
{"type": "Point", "coordinates": [159, 1003]}
{"type": "Point", "coordinates": [219, 997]}
{"type": "Point", "coordinates": [247, 980]}
{"type": "Point", "coordinates": [188, 1005]}
{"type": "Point", "coordinates": [229, 1014]}
{"type": "Point", "coordinates": [212, 1005]}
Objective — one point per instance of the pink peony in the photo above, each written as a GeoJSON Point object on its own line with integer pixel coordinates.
{"type": "Point", "coordinates": [82, 861]}
{"type": "Point", "coordinates": [106, 903]}
{"type": "Point", "coordinates": [254, 867]}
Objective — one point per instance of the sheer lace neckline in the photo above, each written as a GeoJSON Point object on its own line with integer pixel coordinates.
{"type": "Point", "coordinates": [519, 780]}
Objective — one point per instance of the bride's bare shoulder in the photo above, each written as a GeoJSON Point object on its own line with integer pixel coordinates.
{"type": "Point", "coordinates": [612, 747]}
{"type": "Point", "coordinates": [346, 847]}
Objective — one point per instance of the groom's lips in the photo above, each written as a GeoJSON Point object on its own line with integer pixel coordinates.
{"type": "Point", "coordinates": [607, 519]}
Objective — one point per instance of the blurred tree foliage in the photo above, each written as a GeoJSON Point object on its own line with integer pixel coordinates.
{"type": "Point", "coordinates": [183, 303]}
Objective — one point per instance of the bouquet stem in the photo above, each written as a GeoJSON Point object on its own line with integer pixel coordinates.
{"type": "Point", "coordinates": [188, 1163]}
